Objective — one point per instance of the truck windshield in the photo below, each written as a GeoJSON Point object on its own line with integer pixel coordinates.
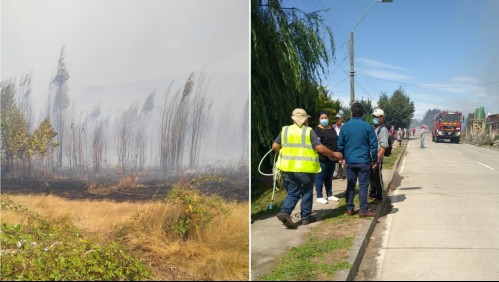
{"type": "Point", "coordinates": [451, 118]}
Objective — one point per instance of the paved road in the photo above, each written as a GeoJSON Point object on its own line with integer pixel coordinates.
{"type": "Point", "coordinates": [444, 224]}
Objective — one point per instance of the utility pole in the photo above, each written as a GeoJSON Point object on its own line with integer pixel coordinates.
{"type": "Point", "coordinates": [352, 71]}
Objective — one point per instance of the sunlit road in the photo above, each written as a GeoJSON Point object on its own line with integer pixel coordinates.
{"type": "Point", "coordinates": [444, 224]}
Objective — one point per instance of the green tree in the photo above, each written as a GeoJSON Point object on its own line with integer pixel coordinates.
{"type": "Point", "coordinates": [289, 55]}
{"type": "Point", "coordinates": [14, 127]}
{"type": "Point", "coordinates": [42, 139]}
{"type": "Point", "coordinates": [399, 109]}
{"type": "Point", "coordinates": [368, 109]}
{"type": "Point", "coordinates": [326, 104]}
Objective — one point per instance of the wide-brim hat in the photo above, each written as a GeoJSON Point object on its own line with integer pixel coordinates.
{"type": "Point", "coordinates": [299, 116]}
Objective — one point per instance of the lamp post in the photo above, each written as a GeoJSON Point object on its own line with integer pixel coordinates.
{"type": "Point", "coordinates": [352, 72]}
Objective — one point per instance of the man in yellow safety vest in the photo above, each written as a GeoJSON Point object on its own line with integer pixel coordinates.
{"type": "Point", "coordinates": [297, 145]}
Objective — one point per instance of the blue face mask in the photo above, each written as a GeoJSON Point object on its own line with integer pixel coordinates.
{"type": "Point", "coordinates": [324, 122]}
{"type": "Point", "coordinates": [375, 120]}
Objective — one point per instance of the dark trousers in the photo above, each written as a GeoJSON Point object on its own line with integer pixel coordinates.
{"type": "Point", "coordinates": [376, 182]}
{"type": "Point", "coordinates": [298, 185]}
{"type": "Point", "coordinates": [354, 172]}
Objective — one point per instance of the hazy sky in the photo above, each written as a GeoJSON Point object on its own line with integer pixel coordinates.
{"type": "Point", "coordinates": [113, 44]}
{"type": "Point", "coordinates": [443, 53]}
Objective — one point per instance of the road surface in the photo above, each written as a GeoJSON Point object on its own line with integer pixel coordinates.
{"type": "Point", "coordinates": [444, 220]}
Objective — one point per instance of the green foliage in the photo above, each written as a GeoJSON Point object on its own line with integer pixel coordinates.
{"type": "Point", "coordinates": [305, 262]}
{"type": "Point", "coordinates": [14, 127]}
{"type": "Point", "coordinates": [41, 139]}
{"type": "Point", "coordinates": [289, 55]}
{"type": "Point", "coordinates": [399, 109]}
{"type": "Point", "coordinates": [45, 249]}
{"type": "Point", "coordinates": [326, 104]}
{"type": "Point", "coordinates": [197, 210]}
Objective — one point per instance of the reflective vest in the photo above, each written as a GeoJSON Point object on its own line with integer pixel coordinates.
{"type": "Point", "coordinates": [297, 153]}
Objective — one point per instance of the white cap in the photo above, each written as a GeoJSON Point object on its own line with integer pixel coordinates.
{"type": "Point", "coordinates": [378, 112]}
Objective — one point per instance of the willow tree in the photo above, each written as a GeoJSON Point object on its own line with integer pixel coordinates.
{"type": "Point", "coordinates": [289, 56]}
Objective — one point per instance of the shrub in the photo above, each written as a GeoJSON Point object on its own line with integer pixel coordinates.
{"type": "Point", "coordinates": [42, 249]}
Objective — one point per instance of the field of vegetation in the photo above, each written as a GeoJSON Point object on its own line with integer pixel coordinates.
{"type": "Point", "coordinates": [185, 235]}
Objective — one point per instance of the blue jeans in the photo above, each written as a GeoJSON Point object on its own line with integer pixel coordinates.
{"type": "Point", "coordinates": [298, 185]}
{"type": "Point", "coordinates": [360, 171]}
{"type": "Point", "coordinates": [325, 177]}
{"type": "Point", "coordinates": [422, 142]}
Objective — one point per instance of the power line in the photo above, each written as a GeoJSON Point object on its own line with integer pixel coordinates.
{"type": "Point", "coordinates": [430, 86]}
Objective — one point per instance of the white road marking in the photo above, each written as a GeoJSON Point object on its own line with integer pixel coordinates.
{"type": "Point", "coordinates": [402, 166]}
{"type": "Point", "coordinates": [459, 152]}
{"type": "Point", "coordinates": [384, 237]}
{"type": "Point", "coordinates": [489, 167]}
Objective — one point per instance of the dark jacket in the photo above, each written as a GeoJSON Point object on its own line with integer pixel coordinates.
{"type": "Point", "coordinates": [358, 142]}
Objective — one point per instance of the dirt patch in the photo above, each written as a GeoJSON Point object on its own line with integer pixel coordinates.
{"type": "Point", "coordinates": [339, 228]}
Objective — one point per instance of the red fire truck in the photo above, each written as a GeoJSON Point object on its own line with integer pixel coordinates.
{"type": "Point", "coordinates": [447, 125]}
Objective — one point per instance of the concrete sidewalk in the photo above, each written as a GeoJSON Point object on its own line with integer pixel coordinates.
{"type": "Point", "coordinates": [270, 239]}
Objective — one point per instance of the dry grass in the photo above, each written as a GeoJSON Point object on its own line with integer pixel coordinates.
{"type": "Point", "coordinates": [218, 252]}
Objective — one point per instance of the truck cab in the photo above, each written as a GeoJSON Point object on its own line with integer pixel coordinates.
{"type": "Point", "coordinates": [447, 125]}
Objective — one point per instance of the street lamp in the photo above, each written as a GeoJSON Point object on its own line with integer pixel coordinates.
{"type": "Point", "coordinates": [352, 72]}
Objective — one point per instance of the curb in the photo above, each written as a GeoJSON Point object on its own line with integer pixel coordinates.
{"type": "Point", "coordinates": [361, 240]}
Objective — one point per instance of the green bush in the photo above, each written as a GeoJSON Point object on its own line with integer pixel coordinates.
{"type": "Point", "coordinates": [56, 249]}
{"type": "Point", "coordinates": [197, 210]}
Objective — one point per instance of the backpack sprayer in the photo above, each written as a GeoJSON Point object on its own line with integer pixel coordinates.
{"type": "Point", "coordinates": [276, 173]}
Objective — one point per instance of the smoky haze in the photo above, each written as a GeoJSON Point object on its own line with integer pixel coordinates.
{"type": "Point", "coordinates": [111, 74]}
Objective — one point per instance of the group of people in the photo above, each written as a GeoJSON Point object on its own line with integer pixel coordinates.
{"type": "Point", "coordinates": [308, 156]}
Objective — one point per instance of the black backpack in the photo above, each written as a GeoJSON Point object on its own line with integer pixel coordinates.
{"type": "Point", "coordinates": [388, 151]}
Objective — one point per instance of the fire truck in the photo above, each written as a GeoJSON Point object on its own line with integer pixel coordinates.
{"type": "Point", "coordinates": [447, 125]}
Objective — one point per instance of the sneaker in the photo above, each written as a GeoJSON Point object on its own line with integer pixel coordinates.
{"type": "Point", "coordinates": [310, 219]}
{"type": "Point", "coordinates": [286, 220]}
{"type": "Point", "coordinates": [321, 200]}
{"type": "Point", "coordinates": [333, 198]}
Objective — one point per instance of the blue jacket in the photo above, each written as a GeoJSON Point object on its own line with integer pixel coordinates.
{"type": "Point", "coordinates": [358, 142]}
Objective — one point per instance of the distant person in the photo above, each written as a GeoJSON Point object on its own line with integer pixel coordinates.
{"type": "Point", "coordinates": [357, 142]}
{"type": "Point", "coordinates": [297, 146]}
{"type": "Point", "coordinates": [339, 171]}
{"type": "Point", "coordinates": [376, 177]}
{"type": "Point", "coordinates": [328, 138]}
{"type": "Point", "coordinates": [414, 132]}
{"type": "Point", "coordinates": [423, 131]}
{"type": "Point", "coordinates": [391, 132]}
{"type": "Point", "coordinates": [399, 136]}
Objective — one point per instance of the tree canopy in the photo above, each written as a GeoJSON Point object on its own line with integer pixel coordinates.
{"type": "Point", "coordinates": [289, 56]}
{"type": "Point", "coordinates": [399, 109]}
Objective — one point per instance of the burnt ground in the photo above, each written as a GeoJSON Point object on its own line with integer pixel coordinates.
{"type": "Point", "coordinates": [232, 188]}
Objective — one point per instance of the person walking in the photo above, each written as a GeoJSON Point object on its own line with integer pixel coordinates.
{"type": "Point", "coordinates": [423, 131]}
{"type": "Point", "coordinates": [399, 136]}
{"type": "Point", "coordinates": [358, 145]}
{"type": "Point", "coordinates": [376, 177]}
{"type": "Point", "coordinates": [339, 171]}
{"type": "Point", "coordinates": [327, 136]}
{"type": "Point", "coordinates": [298, 147]}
